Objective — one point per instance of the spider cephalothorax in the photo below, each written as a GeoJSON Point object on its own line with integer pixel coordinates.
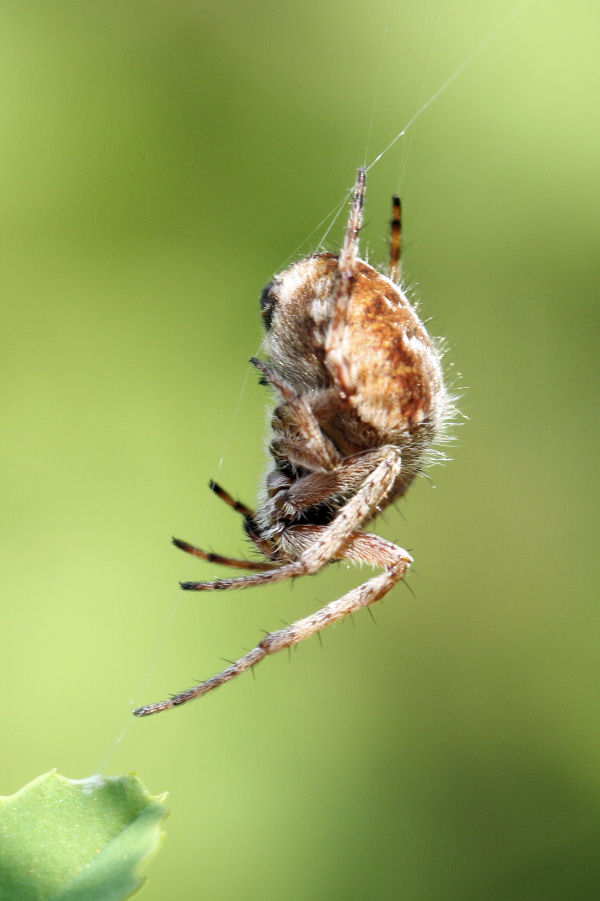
{"type": "Point", "coordinates": [361, 399]}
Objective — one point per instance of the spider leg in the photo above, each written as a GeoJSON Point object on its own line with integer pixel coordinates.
{"type": "Point", "coordinates": [264, 546]}
{"type": "Point", "coordinates": [362, 547]}
{"type": "Point", "coordinates": [229, 500]}
{"type": "Point", "coordinates": [299, 453]}
{"type": "Point", "coordinates": [318, 447]}
{"type": "Point", "coordinates": [394, 270]}
{"type": "Point", "coordinates": [279, 574]}
{"type": "Point", "coordinates": [293, 497]}
{"type": "Point", "coordinates": [333, 538]}
{"type": "Point", "coordinates": [255, 565]}
{"type": "Point", "coordinates": [366, 594]}
{"type": "Point", "coordinates": [330, 543]}
{"type": "Point", "coordinates": [347, 260]}
{"type": "Point", "coordinates": [219, 559]}
{"type": "Point", "coordinates": [335, 343]}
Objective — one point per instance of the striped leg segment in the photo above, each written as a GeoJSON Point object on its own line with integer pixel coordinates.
{"type": "Point", "coordinates": [254, 565]}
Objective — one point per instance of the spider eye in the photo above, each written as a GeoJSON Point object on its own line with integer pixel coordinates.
{"type": "Point", "coordinates": [268, 302]}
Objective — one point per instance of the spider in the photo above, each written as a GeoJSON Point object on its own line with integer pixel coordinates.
{"type": "Point", "coordinates": [361, 399]}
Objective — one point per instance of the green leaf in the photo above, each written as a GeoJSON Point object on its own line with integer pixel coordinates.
{"type": "Point", "coordinates": [77, 840]}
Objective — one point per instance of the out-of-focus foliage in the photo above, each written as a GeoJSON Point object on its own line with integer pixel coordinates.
{"type": "Point", "coordinates": [159, 162]}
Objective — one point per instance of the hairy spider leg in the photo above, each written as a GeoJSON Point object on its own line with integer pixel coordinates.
{"type": "Point", "coordinates": [373, 550]}
{"type": "Point", "coordinates": [347, 260]}
{"type": "Point", "coordinates": [394, 270]}
{"type": "Point", "coordinates": [318, 450]}
{"type": "Point", "coordinates": [360, 508]}
{"type": "Point", "coordinates": [291, 499]}
{"type": "Point", "coordinates": [331, 542]}
{"type": "Point", "coordinates": [334, 342]}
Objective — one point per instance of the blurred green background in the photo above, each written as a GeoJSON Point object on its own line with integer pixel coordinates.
{"type": "Point", "coordinates": [159, 161]}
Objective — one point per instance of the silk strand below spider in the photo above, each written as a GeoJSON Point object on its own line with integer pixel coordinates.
{"type": "Point", "coordinates": [361, 400]}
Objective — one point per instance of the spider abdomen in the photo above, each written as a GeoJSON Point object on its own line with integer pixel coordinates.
{"type": "Point", "coordinates": [394, 389]}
